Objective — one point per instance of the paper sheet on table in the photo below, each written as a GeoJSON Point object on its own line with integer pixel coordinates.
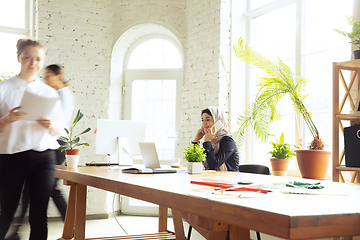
{"type": "Point", "coordinates": [36, 106]}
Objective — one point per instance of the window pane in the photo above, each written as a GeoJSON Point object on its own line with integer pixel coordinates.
{"type": "Point", "coordinates": [322, 47]}
{"type": "Point", "coordinates": [13, 13]}
{"type": "Point", "coordinates": [155, 53]}
{"type": "Point", "coordinates": [270, 40]}
{"type": "Point", "coordinates": [8, 60]}
{"type": "Point", "coordinates": [154, 102]}
{"type": "Point", "coordinates": [274, 33]}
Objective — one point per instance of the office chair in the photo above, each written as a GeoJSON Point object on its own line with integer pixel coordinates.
{"type": "Point", "coordinates": [254, 168]}
{"type": "Point", "coordinates": [246, 168]}
{"type": "Point", "coordinates": [257, 169]}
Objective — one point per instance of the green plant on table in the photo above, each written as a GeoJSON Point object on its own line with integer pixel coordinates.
{"type": "Point", "coordinates": [73, 140]}
{"type": "Point", "coordinates": [194, 153]}
{"type": "Point", "coordinates": [281, 150]}
{"type": "Point", "coordinates": [354, 35]}
{"type": "Point", "coordinates": [280, 82]}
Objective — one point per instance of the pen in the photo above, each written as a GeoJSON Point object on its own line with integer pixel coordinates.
{"type": "Point", "coordinates": [228, 187]}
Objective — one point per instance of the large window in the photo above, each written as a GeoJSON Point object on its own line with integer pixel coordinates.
{"type": "Point", "coordinates": [153, 77]}
{"type": "Point", "coordinates": [300, 33]}
{"type": "Point", "coordinates": [15, 23]}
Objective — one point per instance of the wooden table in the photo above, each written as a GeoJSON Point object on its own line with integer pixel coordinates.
{"type": "Point", "coordinates": [289, 216]}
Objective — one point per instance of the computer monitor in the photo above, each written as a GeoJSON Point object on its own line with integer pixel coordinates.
{"type": "Point", "coordinates": [110, 132]}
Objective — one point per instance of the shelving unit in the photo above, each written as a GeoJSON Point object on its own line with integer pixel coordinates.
{"type": "Point", "coordinates": [338, 116]}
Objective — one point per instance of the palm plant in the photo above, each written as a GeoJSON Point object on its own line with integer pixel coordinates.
{"type": "Point", "coordinates": [281, 81]}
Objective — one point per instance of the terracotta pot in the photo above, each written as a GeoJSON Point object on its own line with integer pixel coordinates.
{"type": "Point", "coordinates": [72, 151]}
{"type": "Point", "coordinates": [279, 166]}
{"type": "Point", "coordinates": [72, 158]}
{"type": "Point", "coordinates": [313, 164]}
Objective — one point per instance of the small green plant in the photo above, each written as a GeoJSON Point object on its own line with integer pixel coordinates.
{"type": "Point", "coordinates": [281, 150]}
{"type": "Point", "coordinates": [194, 153]}
{"type": "Point", "coordinates": [73, 140]}
{"type": "Point", "coordinates": [354, 35]}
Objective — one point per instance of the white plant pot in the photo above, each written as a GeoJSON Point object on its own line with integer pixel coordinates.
{"type": "Point", "coordinates": [194, 167]}
{"type": "Point", "coordinates": [72, 161]}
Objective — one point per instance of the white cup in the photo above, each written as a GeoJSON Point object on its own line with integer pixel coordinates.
{"type": "Point", "coordinates": [72, 161]}
{"type": "Point", "coordinates": [176, 161]}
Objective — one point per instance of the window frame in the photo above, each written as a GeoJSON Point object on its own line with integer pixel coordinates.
{"type": "Point", "coordinates": [29, 22]}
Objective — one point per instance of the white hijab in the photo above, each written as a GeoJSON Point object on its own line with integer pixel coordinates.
{"type": "Point", "coordinates": [223, 131]}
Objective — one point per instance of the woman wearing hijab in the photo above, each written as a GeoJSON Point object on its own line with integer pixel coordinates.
{"type": "Point", "coordinates": [221, 149]}
{"type": "Point", "coordinates": [221, 155]}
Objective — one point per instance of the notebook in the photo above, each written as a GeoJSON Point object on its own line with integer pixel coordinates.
{"type": "Point", "coordinates": [151, 160]}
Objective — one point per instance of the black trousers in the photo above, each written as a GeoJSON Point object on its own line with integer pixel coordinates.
{"type": "Point", "coordinates": [38, 169]}
{"type": "Point", "coordinates": [56, 193]}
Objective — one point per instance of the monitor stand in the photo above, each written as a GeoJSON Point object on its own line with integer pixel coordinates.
{"type": "Point", "coordinates": [125, 157]}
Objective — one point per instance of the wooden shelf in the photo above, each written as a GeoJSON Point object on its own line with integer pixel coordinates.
{"type": "Point", "coordinates": [348, 116]}
{"type": "Point", "coordinates": [344, 168]}
{"type": "Point", "coordinates": [349, 64]}
{"type": "Point", "coordinates": [348, 85]}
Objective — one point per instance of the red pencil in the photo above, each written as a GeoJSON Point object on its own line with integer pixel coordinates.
{"type": "Point", "coordinates": [230, 187]}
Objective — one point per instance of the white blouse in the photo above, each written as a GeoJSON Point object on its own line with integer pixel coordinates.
{"type": "Point", "coordinates": [23, 135]}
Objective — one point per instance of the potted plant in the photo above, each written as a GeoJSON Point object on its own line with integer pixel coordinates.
{"type": "Point", "coordinates": [72, 141]}
{"type": "Point", "coordinates": [281, 82]}
{"type": "Point", "coordinates": [194, 155]}
{"type": "Point", "coordinates": [354, 35]}
{"type": "Point", "coordinates": [280, 156]}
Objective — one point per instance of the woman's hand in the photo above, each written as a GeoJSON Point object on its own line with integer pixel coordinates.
{"type": "Point", "coordinates": [209, 134]}
{"type": "Point", "coordinates": [46, 123]}
{"type": "Point", "coordinates": [14, 115]}
{"type": "Point", "coordinates": [200, 133]}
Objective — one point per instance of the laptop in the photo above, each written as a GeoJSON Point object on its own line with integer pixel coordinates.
{"type": "Point", "coordinates": [149, 155]}
{"type": "Point", "coordinates": [151, 160]}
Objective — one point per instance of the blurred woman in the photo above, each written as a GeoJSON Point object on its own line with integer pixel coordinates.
{"type": "Point", "coordinates": [54, 77]}
{"type": "Point", "coordinates": [27, 148]}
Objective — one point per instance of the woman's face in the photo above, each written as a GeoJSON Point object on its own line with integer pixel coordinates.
{"type": "Point", "coordinates": [32, 60]}
{"type": "Point", "coordinates": [207, 120]}
{"type": "Point", "coordinates": [51, 78]}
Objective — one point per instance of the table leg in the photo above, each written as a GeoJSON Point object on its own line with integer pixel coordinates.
{"type": "Point", "coordinates": [70, 213]}
{"type": "Point", "coordinates": [80, 212]}
{"type": "Point", "coordinates": [237, 233]}
{"type": "Point", "coordinates": [178, 225]}
{"type": "Point", "coordinates": [163, 216]}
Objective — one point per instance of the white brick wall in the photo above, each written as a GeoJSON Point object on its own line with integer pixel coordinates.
{"type": "Point", "coordinates": [204, 70]}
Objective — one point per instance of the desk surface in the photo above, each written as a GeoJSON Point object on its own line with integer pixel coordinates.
{"type": "Point", "coordinates": [290, 216]}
